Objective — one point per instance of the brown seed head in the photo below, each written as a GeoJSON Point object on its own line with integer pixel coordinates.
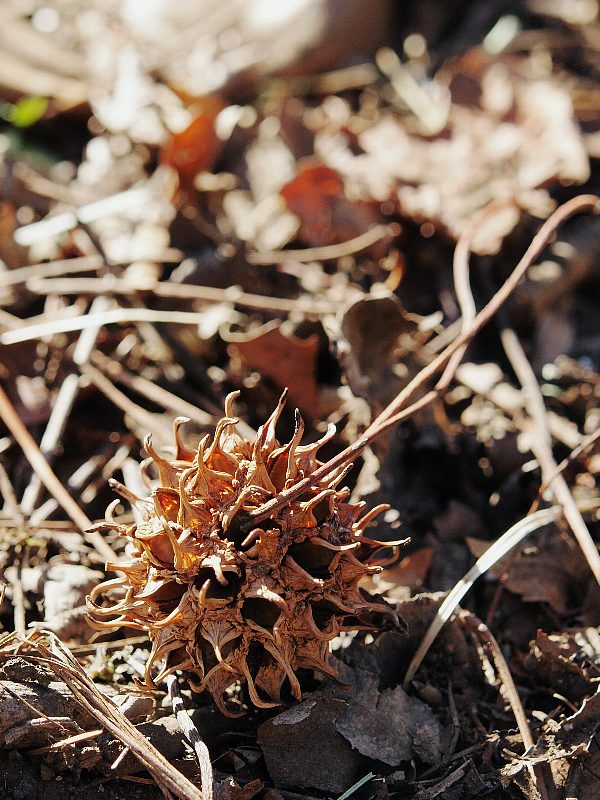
{"type": "Point", "coordinates": [227, 603]}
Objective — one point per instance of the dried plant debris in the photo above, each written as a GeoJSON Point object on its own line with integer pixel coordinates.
{"type": "Point", "coordinates": [208, 198]}
{"type": "Point", "coordinates": [229, 602]}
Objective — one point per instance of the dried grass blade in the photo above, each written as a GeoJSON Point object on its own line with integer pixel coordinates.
{"type": "Point", "coordinates": [492, 555]}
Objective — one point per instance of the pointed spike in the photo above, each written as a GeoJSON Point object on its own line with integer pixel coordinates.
{"type": "Point", "coordinates": [182, 453]}
{"type": "Point", "coordinates": [166, 472]}
{"type": "Point", "coordinates": [257, 473]}
{"type": "Point", "coordinates": [145, 472]}
{"type": "Point", "coordinates": [252, 537]}
{"type": "Point", "coordinates": [262, 592]}
{"type": "Point", "coordinates": [202, 595]}
{"type": "Point", "coordinates": [279, 656]}
{"type": "Point", "coordinates": [364, 522]}
{"type": "Point", "coordinates": [229, 401]}
{"type": "Point", "coordinates": [292, 467]}
{"type": "Point", "coordinates": [227, 517]}
{"type": "Point", "coordinates": [126, 493]}
{"type": "Point", "coordinates": [337, 479]}
{"type": "Point", "coordinates": [109, 513]}
{"type": "Point", "coordinates": [214, 562]}
{"type": "Point", "coordinates": [191, 515]}
{"type": "Point", "coordinates": [200, 486]}
{"type": "Point", "coordinates": [337, 548]}
{"type": "Point", "coordinates": [315, 446]}
{"type": "Point", "coordinates": [215, 448]}
{"type": "Point", "coordinates": [274, 418]}
{"type": "Point", "coordinates": [252, 689]}
{"type": "Point", "coordinates": [308, 505]}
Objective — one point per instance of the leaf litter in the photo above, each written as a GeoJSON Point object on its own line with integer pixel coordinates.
{"type": "Point", "coordinates": [209, 212]}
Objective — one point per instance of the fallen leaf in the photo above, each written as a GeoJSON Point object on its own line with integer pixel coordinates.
{"type": "Point", "coordinates": [317, 197]}
{"type": "Point", "coordinates": [197, 147]}
{"type": "Point", "coordinates": [549, 572]}
{"type": "Point", "coordinates": [370, 350]}
{"type": "Point", "coordinates": [288, 361]}
{"type": "Point", "coordinates": [388, 726]}
{"type": "Point", "coordinates": [412, 570]}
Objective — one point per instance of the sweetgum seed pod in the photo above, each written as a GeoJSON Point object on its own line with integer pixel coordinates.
{"type": "Point", "coordinates": [225, 603]}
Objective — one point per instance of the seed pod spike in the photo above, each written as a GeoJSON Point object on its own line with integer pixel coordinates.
{"type": "Point", "coordinates": [182, 453]}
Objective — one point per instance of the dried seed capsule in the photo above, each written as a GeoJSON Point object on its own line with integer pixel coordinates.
{"type": "Point", "coordinates": [229, 603]}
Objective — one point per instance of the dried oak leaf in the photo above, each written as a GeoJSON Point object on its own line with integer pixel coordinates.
{"type": "Point", "coordinates": [566, 661]}
{"type": "Point", "coordinates": [388, 726]}
{"type": "Point", "coordinates": [550, 572]}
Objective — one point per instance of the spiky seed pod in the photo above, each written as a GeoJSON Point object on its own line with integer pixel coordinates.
{"type": "Point", "coordinates": [226, 603]}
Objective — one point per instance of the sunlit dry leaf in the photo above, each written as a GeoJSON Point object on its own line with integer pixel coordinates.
{"type": "Point", "coordinates": [197, 147]}
{"type": "Point", "coordinates": [286, 360]}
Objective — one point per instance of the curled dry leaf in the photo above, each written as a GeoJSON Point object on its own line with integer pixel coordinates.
{"type": "Point", "coordinates": [228, 604]}
{"type": "Point", "coordinates": [287, 360]}
{"type": "Point", "coordinates": [370, 347]}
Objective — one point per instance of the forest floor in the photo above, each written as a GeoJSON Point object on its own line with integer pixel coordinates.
{"type": "Point", "coordinates": [180, 220]}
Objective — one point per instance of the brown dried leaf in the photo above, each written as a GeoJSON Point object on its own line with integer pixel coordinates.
{"type": "Point", "coordinates": [388, 726]}
{"type": "Point", "coordinates": [286, 360]}
{"type": "Point", "coordinates": [412, 570]}
{"type": "Point", "coordinates": [317, 196]}
{"type": "Point", "coordinates": [545, 573]}
{"type": "Point", "coordinates": [197, 147]}
{"type": "Point", "coordinates": [371, 351]}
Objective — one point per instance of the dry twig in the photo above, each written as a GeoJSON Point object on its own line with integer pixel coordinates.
{"type": "Point", "coordinates": [541, 445]}
{"type": "Point", "coordinates": [398, 408]}
{"type": "Point", "coordinates": [41, 467]}
{"type": "Point", "coordinates": [541, 439]}
{"type": "Point", "coordinates": [191, 734]}
{"type": "Point", "coordinates": [328, 252]}
{"type": "Point", "coordinates": [45, 647]}
{"type": "Point", "coordinates": [512, 695]}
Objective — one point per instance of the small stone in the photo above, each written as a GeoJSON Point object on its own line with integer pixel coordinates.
{"type": "Point", "coordinates": [306, 734]}
{"type": "Point", "coordinates": [137, 708]}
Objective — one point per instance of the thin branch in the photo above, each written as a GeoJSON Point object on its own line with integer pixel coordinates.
{"type": "Point", "coordinates": [127, 315]}
{"type": "Point", "coordinates": [328, 252]}
{"type": "Point", "coordinates": [41, 467]}
{"type": "Point", "coordinates": [117, 397]}
{"type": "Point", "coordinates": [63, 406]}
{"type": "Point", "coordinates": [52, 652]}
{"type": "Point", "coordinates": [512, 695]}
{"type": "Point", "coordinates": [149, 389]}
{"type": "Point", "coordinates": [181, 291]}
{"type": "Point", "coordinates": [541, 446]}
{"type": "Point", "coordinates": [11, 504]}
{"type": "Point", "coordinates": [50, 269]}
{"type": "Point", "coordinates": [460, 265]}
{"type": "Point", "coordinates": [483, 632]}
{"type": "Point", "coordinates": [397, 408]}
